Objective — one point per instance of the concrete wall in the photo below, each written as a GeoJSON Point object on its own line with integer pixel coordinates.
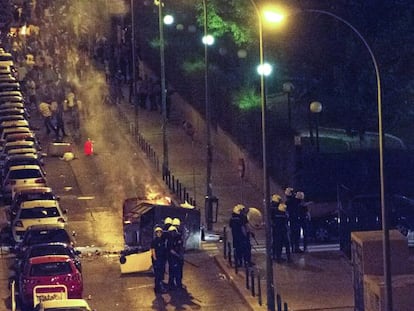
{"type": "Point", "coordinates": [223, 143]}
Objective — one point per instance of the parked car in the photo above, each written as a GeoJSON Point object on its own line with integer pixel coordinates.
{"type": "Point", "coordinates": [46, 249]}
{"type": "Point", "coordinates": [27, 136]}
{"type": "Point", "coordinates": [29, 193]}
{"type": "Point", "coordinates": [38, 234]}
{"type": "Point", "coordinates": [64, 305]}
{"type": "Point", "coordinates": [324, 228]}
{"type": "Point", "coordinates": [19, 144]}
{"type": "Point", "coordinates": [42, 275]}
{"type": "Point", "coordinates": [22, 175]}
{"type": "Point", "coordinates": [36, 212]}
{"type": "Point", "coordinates": [13, 130]}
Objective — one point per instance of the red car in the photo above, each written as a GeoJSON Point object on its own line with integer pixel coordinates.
{"type": "Point", "coordinates": [49, 277]}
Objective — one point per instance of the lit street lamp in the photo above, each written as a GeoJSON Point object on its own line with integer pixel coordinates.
{"type": "Point", "coordinates": [264, 69]}
{"type": "Point", "coordinates": [316, 108]}
{"type": "Point", "coordinates": [161, 20]}
{"type": "Point", "coordinates": [208, 208]}
{"type": "Point", "coordinates": [384, 212]}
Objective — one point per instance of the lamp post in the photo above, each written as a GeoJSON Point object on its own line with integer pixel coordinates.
{"type": "Point", "coordinates": [207, 40]}
{"type": "Point", "coordinates": [270, 287]}
{"type": "Point", "coordinates": [288, 89]}
{"type": "Point", "coordinates": [384, 211]}
{"type": "Point", "coordinates": [163, 91]}
{"type": "Point", "coordinates": [134, 78]}
{"type": "Point", "coordinates": [316, 108]}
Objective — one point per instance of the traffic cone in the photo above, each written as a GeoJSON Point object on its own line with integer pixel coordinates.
{"type": "Point", "coordinates": [88, 147]}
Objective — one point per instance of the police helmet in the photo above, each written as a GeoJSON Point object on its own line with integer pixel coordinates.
{"type": "Point", "coordinates": [276, 198]}
{"type": "Point", "coordinates": [282, 207]}
{"type": "Point", "coordinates": [173, 228]}
{"type": "Point", "coordinates": [238, 208]}
{"type": "Point", "coordinates": [157, 228]}
{"type": "Point", "coordinates": [176, 222]}
{"type": "Point", "coordinates": [289, 191]}
{"type": "Point", "coordinates": [168, 221]}
{"type": "Point", "coordinates": [300, 195]}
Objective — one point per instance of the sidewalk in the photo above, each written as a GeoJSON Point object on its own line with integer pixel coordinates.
{"type": "Point", "coordinates": [314, 281]}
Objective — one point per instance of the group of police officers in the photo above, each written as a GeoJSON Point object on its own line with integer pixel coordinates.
{"type": "Point", "coordinates": [167, 250]}
{"type": "Point", "coordinates": [288, 219]}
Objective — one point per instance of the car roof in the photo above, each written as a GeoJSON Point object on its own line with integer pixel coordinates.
{"type": "Point", "coordinates": [23, 167]}
{"type": "Point", "coordinates": [18, 123]}
{"type": "Point", "coordinates": [17, 129]}
{"type": "Point", "coordinates": [22, 151]}
{"type": "Point", "coordinates": [65, 303]}
{"type": "Point", "coordinates": [49, 258]}
{"type": "Point", "coordinates": [19, 143]}
{"type": "Point", "coordinates": [38, 203]}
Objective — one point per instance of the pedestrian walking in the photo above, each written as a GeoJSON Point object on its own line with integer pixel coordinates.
{"type": "Point", "coordinates": [57, 120]}
{"type": "Point", "coordinates": [158, 258]}
{"type": "Point", "coordinates": [46, 112]}
{"type": "Point", "coordinates": [175, 259]}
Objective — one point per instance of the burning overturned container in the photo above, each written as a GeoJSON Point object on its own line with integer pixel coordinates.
{"type": "Point", "coordinates": [140, 216]}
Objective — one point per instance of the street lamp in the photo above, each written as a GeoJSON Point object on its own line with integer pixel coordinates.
{"type": "Point", "coordinates": [208, 208]}
{"type": "Point", "coordinates": [264, 69]}
{"type": "Point", "coordinates": [134, 78]}
{"type": "Point", "coordinates": [288, 89]}
{"type": "Point", "coordinates": [160, 5]}
{"type": "Point", "coordinates": [316, 108]}
{"type": "Point", "coordinates": [384, 211]}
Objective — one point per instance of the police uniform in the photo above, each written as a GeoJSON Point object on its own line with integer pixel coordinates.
{"type": "Point", "coordinates": [281, 232]}
{"type": "Point", "coordinates": [158, 257]}
{"type": "Point", "coordinates": [175, 258]}
{"type": "Point", "coordinates": [236, 226]}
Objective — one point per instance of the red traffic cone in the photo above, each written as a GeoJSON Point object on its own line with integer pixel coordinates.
{"type": "Point", "coordinates": [88, 147]}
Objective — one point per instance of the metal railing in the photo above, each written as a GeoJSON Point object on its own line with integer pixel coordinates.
{"type": "Point", "coordinates": [173, 183]}
{"type": "Point", "coordinates": [253, 276]}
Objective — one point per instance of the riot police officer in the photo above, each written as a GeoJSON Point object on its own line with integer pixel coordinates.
{"type": "Point", "coordinates": [274, 204]}
{"type": "Point", "coordinates": [158, 257]}
{"type": "Point", "coordinates": [236, 226]}
{"type": "Point", "coordinates": [281, 233]}
{"type": "Point", "coordinates": [175, 258]}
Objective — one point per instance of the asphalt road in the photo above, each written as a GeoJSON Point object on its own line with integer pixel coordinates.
{"type": "Point", "coordinates": [92, 190]}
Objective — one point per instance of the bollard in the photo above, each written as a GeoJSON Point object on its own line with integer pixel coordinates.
{"type": "Point", "coordinates": [247, 277]}
{"type": "Point", "coordinates": [229, 258]}
{"type": "Point", "coordinates": [225, 242]}
{"type": "Point", "coordinates": [173, 183]}
{"type": "Point", "coordinates": [285, 306]}
{"type": "Point", "coordinates": [259, 289]}
{"type": "Point", "coordinates": [252, 283]}
{"type": "Point", "coordinates": [279, 302]}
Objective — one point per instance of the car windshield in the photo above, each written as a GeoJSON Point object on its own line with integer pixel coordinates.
{"type": "Point", "coordinates": [49, 250]}
{"type": "Point", "coordinates": [39, 212]}
{"type": "Point", "coordinates": [25, 173]}
{"type": "Point", "coordinates": [46, 236]}
{"type": "Point", "coordinates": [50, 268]}
{"type": "Point", "coordinates": [35, 196]}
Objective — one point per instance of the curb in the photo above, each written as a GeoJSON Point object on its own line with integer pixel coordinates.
{"type": "Point", "coordinates": [239, 286]}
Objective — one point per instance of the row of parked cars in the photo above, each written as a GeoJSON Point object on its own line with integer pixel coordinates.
{"type": "Point", "coordinates": [48, 266]}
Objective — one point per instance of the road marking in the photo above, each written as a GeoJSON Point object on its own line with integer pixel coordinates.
{"type": "Point", "coordinates": [86, 197]}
